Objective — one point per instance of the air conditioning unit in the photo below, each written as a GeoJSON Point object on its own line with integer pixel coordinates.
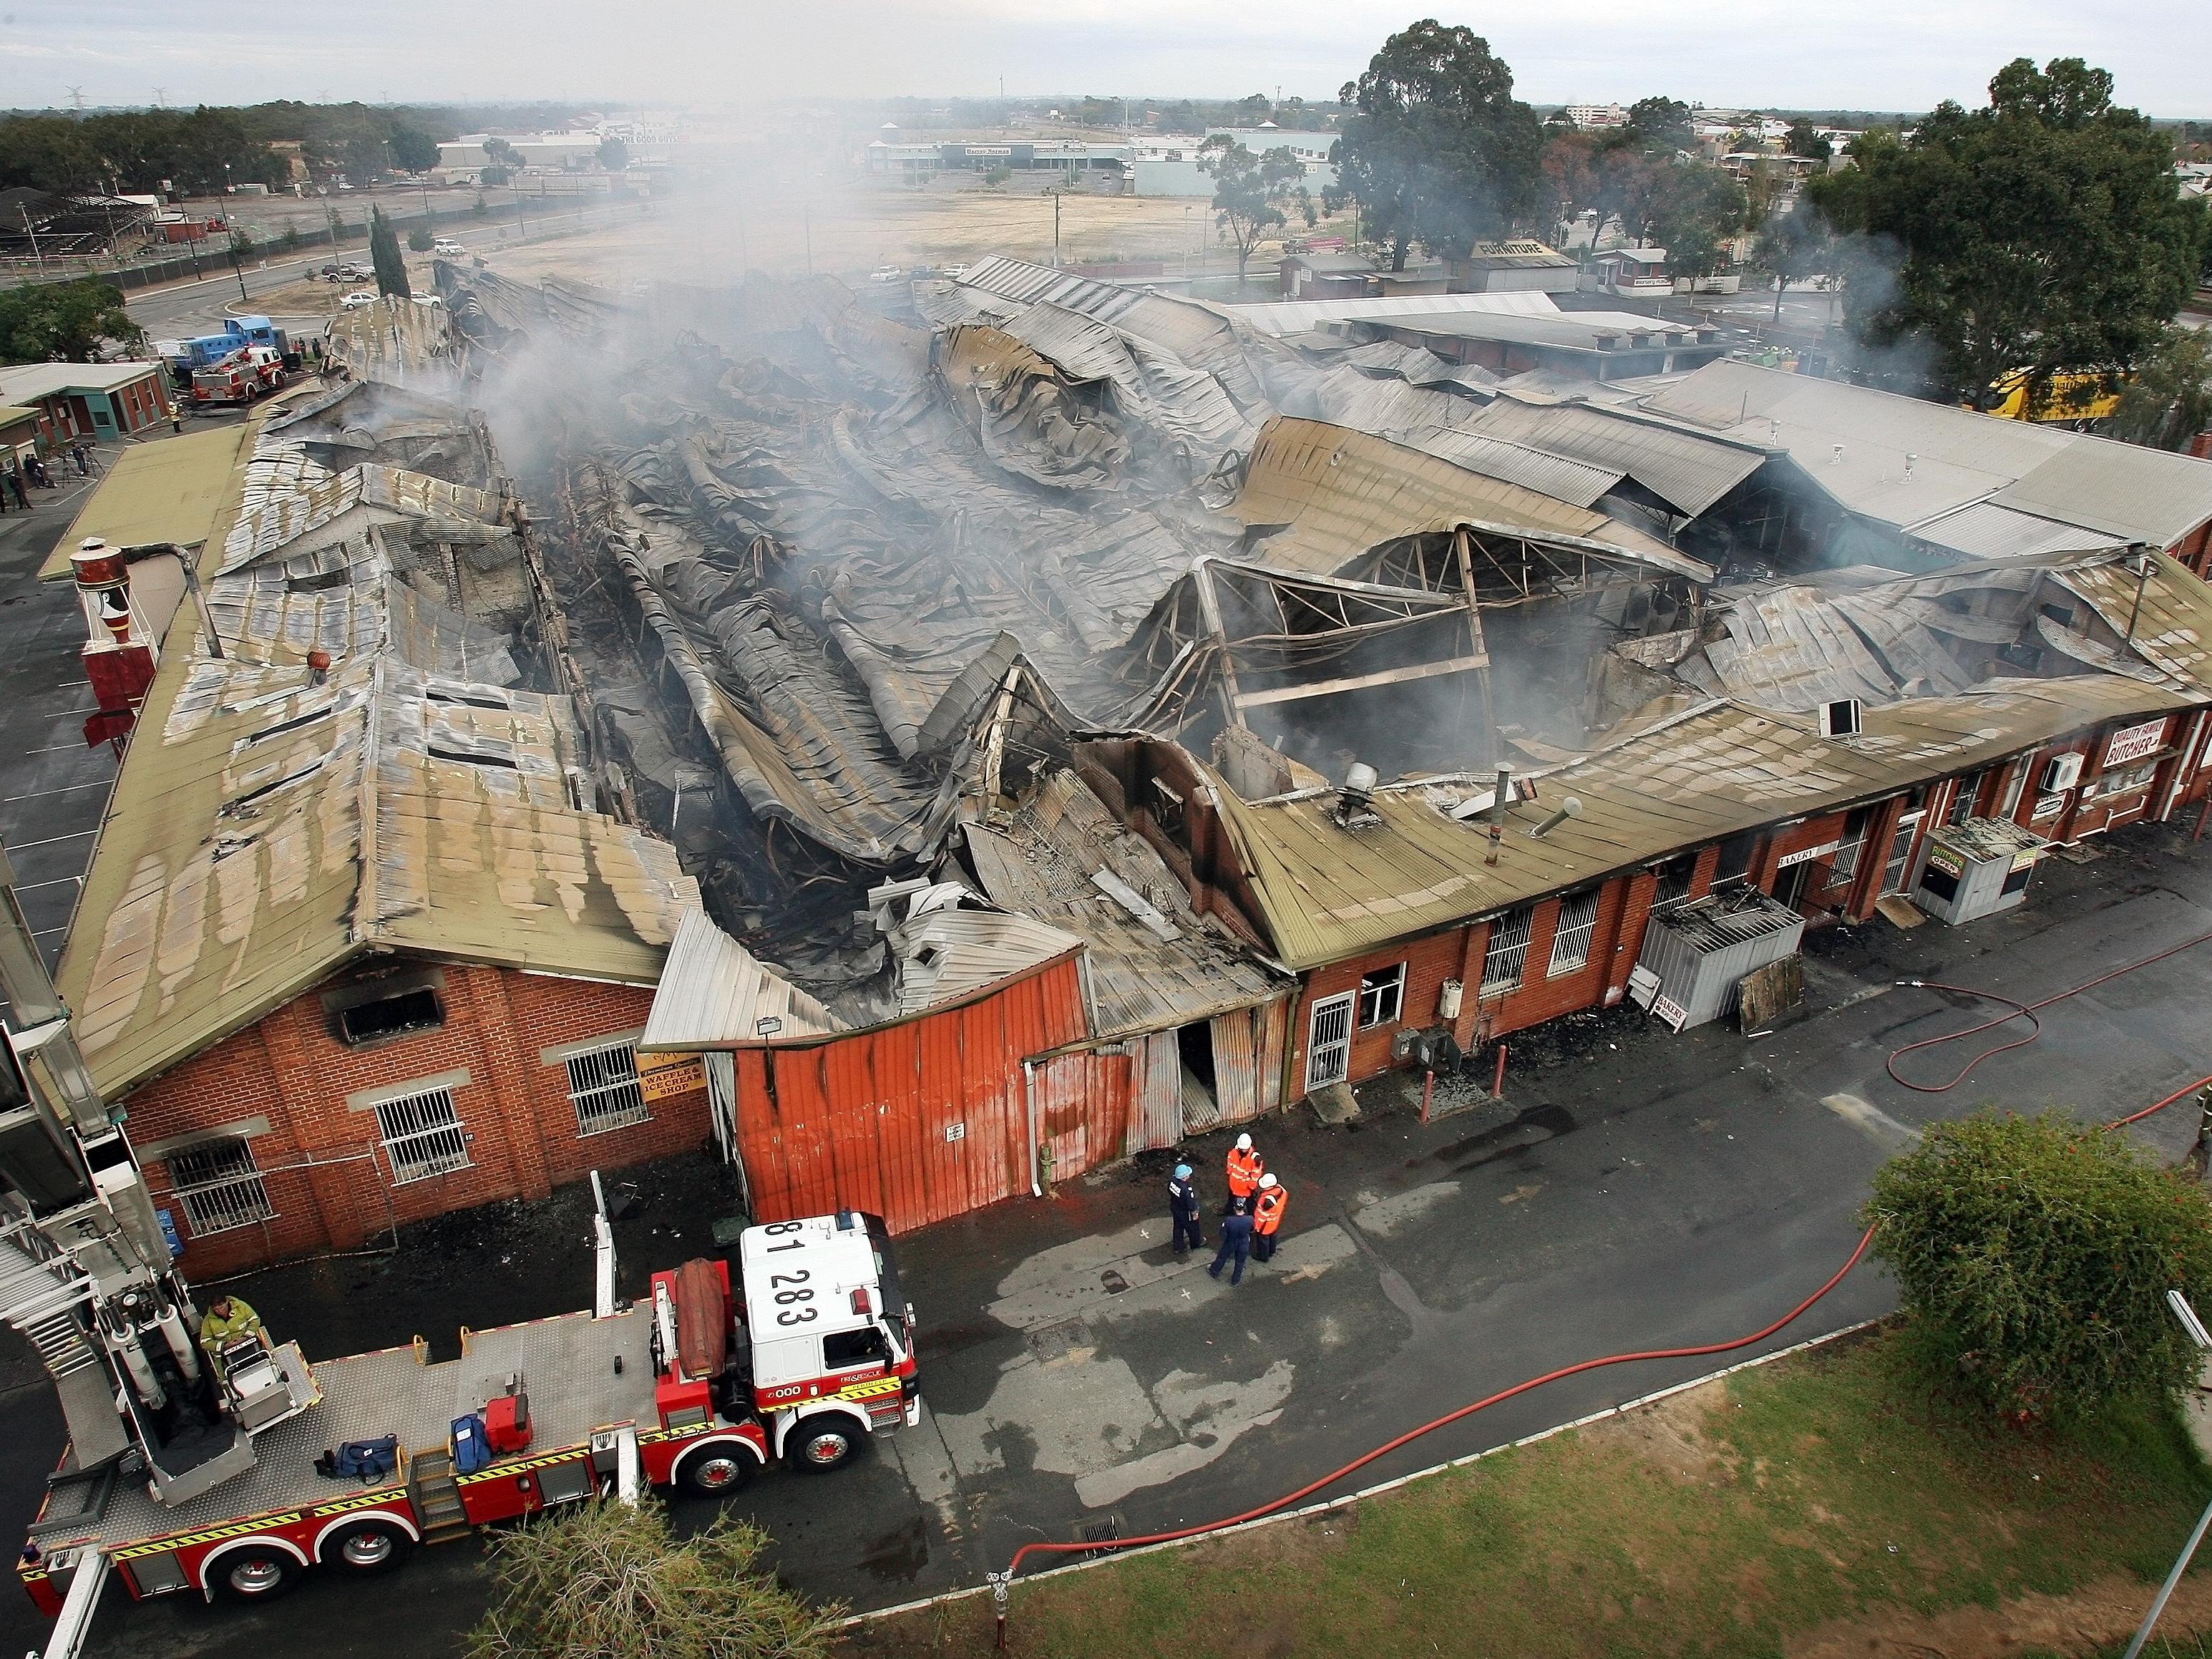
{"type": "Point", "coordinates": [2061, 774]}
{"type": "Point", "coordinates": [1841, 718]}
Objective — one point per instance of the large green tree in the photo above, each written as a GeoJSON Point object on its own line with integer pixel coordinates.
{"type": "Point", "coordinates": [413, 150]}
{"type": "Point", "coordinates": [2168, 399]}
{"type": "Point", "coordinates": [1793, 246]}
{"type": "Point", "coordinates": [607, 1581]}
{"type": "Point", "coordinates": [2044, 232]}
{"type": "Point", "coordinates": [383, 254]}
{"type": "Point", "coordinates": [1439, 151]}
{"type": "Point", "coordinates": [1253, 194]}
{"type": "Point", "coordinates": [2033, 1255]}
{"type": "Point", "coordinates": [1695, 211]}
{"type": "Point", "coordinates": [42, 321]}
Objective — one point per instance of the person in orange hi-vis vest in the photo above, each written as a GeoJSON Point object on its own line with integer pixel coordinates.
{"type": "Point", "coordinates": [1267, 1216]}
{"type": "Point", "coordinates": [1244, 1168]}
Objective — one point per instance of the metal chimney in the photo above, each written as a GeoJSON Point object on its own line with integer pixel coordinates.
{"type": "Point", "coordinates": [1569, 808]}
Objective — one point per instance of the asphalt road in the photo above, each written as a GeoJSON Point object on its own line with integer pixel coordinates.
{"type": "Point", "coordinates": [1638, 1191]}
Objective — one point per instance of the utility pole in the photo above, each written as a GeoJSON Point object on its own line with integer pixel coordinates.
{"type": "Point", "coordinates": [1056, 230]}
{"type": "Point", "coordinates": [32, 234]}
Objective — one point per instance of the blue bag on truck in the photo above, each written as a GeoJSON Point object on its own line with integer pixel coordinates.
{"type": "Point", "coordinates": [471, 1449]}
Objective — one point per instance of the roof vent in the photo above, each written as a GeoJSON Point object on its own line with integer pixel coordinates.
{"type": "Point", "coordinates": [1605, 340]}
{"type": "Point", "coordinates": [1569, 808]}
{"type": "Point", "coordinates": [1910, 458]}
{"type": "Point", "coordinates": [1835, 455]}
{"type": "Point", "coordinates": [1355, 802]}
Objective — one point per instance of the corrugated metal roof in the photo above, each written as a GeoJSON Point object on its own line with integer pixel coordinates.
{"type": "Point", "coordinates": [1557, 476]}
{"type": "Point", "coordinates": [1580, 331]}
{"type": "Point", "coordinates": [1689, 473]}
{"type": "Point", "coordinates": [1157, 387]}
{"type": "Point", "coordinates": [1987, 531]}
{"type": "Point", "coordinates": [1343, 492]}
{"type": "Point", "coordinates": [950, 953]}
{"type": "Point", "coordinates": [2172, 629]}
{"type": "Point", "coordinates": [715, 994]}
{"type": "Point", "coordinates": [397, 342]}
{"type": "Point", "coordinates": [1958, 458]}
{"type": "Point", "coordinates": [1043, 862]}
{"type": "Point", "coordinates": [169, 491]}
{"type": "Point", "coordinates": [263, 830]}
{"type": "Point", "coordinates": [1278, 319]}
{"type": "Point", "coordinates": [1327, 893]}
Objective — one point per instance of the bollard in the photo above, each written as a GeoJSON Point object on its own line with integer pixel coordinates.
{"type": "Point", "coordinates": [1428, 1088]}
{"type": "Point", "coordinates": [1497, 1088]}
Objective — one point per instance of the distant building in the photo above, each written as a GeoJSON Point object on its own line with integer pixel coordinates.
{"type": "Point", "coordinates": [1326, 275]}
{"type": "Point", "coordinates": [1523, 267]}
{"type": "Point", "coordinates": [1633, 272]}
{"type": "Point", "coordinates": [904, 161]}
{"type": "Point", "coordinates": [1596, 345]}
{"type": "Point", "coordinates": [1590, 116]}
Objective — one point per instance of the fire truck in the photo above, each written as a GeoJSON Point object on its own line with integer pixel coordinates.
{"type": "Point", "coordinates": [208, 1459]}
{"type": "Point", "coordinates": [239, 376]}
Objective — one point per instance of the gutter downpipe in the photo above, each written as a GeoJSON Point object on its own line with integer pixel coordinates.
{"type": "Point", "coordinates": [1029, 1099]}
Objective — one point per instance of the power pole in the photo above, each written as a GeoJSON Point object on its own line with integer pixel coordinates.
{"type": "Point", "coordinates": [32, 234]}
{"type": "Point", "coordinates": [1056, 230]}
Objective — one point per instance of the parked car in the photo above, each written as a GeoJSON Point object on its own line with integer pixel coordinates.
{"type": "Point", "coordinates": [447, 249]}
{"type": "Point", "coordinates": [355, 301]}
{"type": "Point", "coordinates": [428, 300]}
{"type": "Point", "coordinates": [887, 274]}
{"type": "Point", "coordinates": [954, 272]}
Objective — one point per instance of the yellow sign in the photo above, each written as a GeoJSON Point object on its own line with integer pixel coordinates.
{"type": "Point", "coordinates": [660, 1076]}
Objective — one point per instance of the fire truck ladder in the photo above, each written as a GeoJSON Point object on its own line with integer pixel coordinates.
{"type": "Point", "coordinates": [46, 1296]}
{"type": "Point", "coordinates": [437, 1496]}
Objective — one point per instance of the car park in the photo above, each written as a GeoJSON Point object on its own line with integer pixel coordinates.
{"type": "Point", "coordinates": [887, 274]}
{"type": "Point", "coordinates": [355, 301]}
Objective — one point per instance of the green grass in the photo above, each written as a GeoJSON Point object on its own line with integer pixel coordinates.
{"type": "Point", "coordinates": [1824, 1488]}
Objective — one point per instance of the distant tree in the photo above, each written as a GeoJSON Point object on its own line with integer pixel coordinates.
{"type": "Point", "coordinates": [2167, 399]}
{"type": "Point", "coordinates": [495, 176]}
{"type": "Point", "coordinates": [607, 1581]}
{"type": "Point", "coordinates": [614, 155]}
{"type": "Point", "coordinates": [1660, 126]}
{"type": "Point", "coordinates": [383, 254]}
{"type": "Point", "coordinates": [413, 151]}
{"type": "Point", "coordinates": [1568, 167]}
{"type": "Point", "coordinates": [421, 240]}
{"type": "Point", "coordinates": [2033, 1255]}
{"type": "Point", "coordinates": [1695, 211]}
{"type": "Point", "coordinates": [1253, 194]}
{"type": "Point", "coordinates": [1439, 151]}
{"type": "Point", "coordinates": [1793, 246]}
{"type": "Point", "coordinates": [501, 151]}
{"type": "Point", "coordinates": [2046, 232]}
{"type": "Point", "coordinates": [1627, 189]}
{"type": "Point", "coordinates": [1804, 140]}
{"type": "Point", "coordinates": [40, 322]}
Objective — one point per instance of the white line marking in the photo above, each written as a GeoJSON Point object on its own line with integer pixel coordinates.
{"type": "Point", "coordinates": [74, 834]}
{"type": "Point", "coordinates": [41, 794]}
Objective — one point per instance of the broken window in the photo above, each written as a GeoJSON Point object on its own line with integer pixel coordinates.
{"type": "Point", "coordinates": [1846, 862]}
{"type": "Point", "coordinates": [1508, 951]}
{"type": "Point", "coordinates": [1168, 810]}
{"type": "Point", "coordinates": [1674, 878]}
{"type": "Point", "coordinates": [421, 1135]}
{"type": "Point", "coordinates": [1383, 996]}
{"type": "Point", "coordinates": [220, 1186]}
{"type": "Point", "coordinates": [1570, 939]}
{"type": "Point", "coordinates": [414, 1010]}
{"type": "Point", "coordinates": [604, 1086]}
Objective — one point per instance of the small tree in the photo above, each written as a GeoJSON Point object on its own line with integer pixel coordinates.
{"type": "Point", "coordinates": [1253, 194]}
{"type": "Point", "coordinates": [494, 176]}
{"type": "Point", "coordinates": [1793, 246]}
{"type": "Point", "coordinates": [2034, 1255]}
{"type": "Point", "coordinates": [2167, 399]}
{"type": "Point", "coordinates": [614, 155]}
{"type": "Point", "coordinates": [384, 255]}
{"type": "Point", "coordinates": [421, 240]}
{"type": "Point", "coordinates": [606, 1581]}
{"type": "Point", "coordinates": [500, 151]}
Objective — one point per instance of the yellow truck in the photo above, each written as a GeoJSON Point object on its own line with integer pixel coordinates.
{"type": "Point", "coordinates": [2074, 398]}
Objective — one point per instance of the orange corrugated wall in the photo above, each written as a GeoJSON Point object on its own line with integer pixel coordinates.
{"type": "Point", "coordinates": [860, 1121]}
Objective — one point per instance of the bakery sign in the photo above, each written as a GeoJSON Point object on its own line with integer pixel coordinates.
{"type": "Point", "coordinates": [661, 1076]}
{"type": "Point", "coordinates": [2132, 743]}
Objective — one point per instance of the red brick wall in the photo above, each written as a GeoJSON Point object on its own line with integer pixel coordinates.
{"type": "Point", "coordinates": [325, 1173]}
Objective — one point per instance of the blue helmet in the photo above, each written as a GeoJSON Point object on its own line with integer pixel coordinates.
{"type": "Point", "coordinates": [1182, 1172]}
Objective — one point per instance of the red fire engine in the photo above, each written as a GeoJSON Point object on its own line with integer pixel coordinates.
{"type": "Point", "coordinates": [205, 1456]}
{"type": "Point", "coordinates": [239, 377]}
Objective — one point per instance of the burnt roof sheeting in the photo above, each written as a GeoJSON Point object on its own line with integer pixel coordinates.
{"type": "Point", "coordinates": [1153, 384]}
{"type": "Point", "coordinates": [715, 994]}
{"type": "Point", "coordinates": [1327, 893]}
{"type": "Point", "coordinates": [2173, 628]}
{"type": "Point", "coordinates": [1959, 457]}
{"type": "Point", "coordinates": [1042, 861]}
{"type": "Point", "coordinates": [1689, 473]}
{"type": "Point", "coordinates": [1342, 492]}
{"type": "Point", "coordinates": [265, 830]}
{"type": "Point", "coordinates": [1381, 405]}
{"type": "Point", "coordinates": [1283, 319]}
{"type": "Point", "coordinates": [949, 953]}
{"type": "Point", "coordinates": [1986, 531]}
{"type": "Point", "coordinates": [1577, 483]}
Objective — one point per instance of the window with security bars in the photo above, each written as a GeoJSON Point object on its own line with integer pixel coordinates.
{"type": "Point", "coordinates": [604, 1084]}
{"type": "Point", "coordinates": [1508, 951]}
{"type": "Point", "coordinates": [421, 1135]}
{"type": "Point", "coordinates": [220, 1186]}
{"type": "Point", "coordinates": [1846, 864]}
{"type": "Point", "coordinates": [1571, 939]}
{"type": "Point", "coordinates": [1673, 884]}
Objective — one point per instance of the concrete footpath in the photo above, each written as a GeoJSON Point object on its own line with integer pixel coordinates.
{"type": "Point", "coordinates": [1638, 1189]}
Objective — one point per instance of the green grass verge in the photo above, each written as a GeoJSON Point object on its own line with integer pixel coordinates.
{"type": "Point", "coordinates": [1822, 1487]}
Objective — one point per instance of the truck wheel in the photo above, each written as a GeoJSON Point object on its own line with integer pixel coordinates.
{"type": "Point", "coordinates": [367, 1547]}
{"type": "Point", "coordinates": [255, 1574]}
{"type": "Point", "coordinates": [825, 1443]}
{"type": "Point", "coordinates": [715, 1472]}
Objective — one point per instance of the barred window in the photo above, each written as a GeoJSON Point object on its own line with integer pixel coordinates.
{"type": "Point", "coordinates": [1570, 939]}
{"type": "Point", "coordinates": [1382, 996]}
{"type": "Point", "coordinates": [422, 1135]}
{"type": "Point", "coordinates": [220, 1186]}
{"type": "Point", "coordinates": [1509, 950]}
{"type": "Point", "coordinates": [1674, 878]}
{"type": "Point", "coordinates": [1846, 864]}
{"type": "Point", "coordinates": [603, 1086]}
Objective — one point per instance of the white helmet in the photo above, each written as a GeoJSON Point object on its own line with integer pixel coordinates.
{"type": "Point", "coordinates": [1244, 1143]}
{"type": "Point", "coordinates": [1267, 1181]}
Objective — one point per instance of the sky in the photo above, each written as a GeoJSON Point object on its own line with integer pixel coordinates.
{"type": "Point", "coordinates": [1868, 54]}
